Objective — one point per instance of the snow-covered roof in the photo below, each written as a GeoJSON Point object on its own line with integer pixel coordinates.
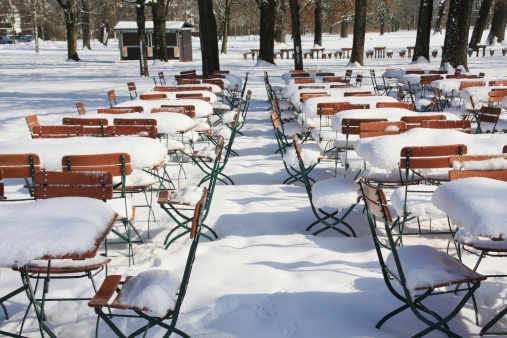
{"type": "Point", "coordinates": [170, 25]}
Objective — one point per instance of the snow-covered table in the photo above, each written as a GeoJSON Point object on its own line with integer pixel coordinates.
{"type": "Point", "coordinates": [391, 114]}
{"type": "Point", "coordinates": [173, 95]}
{"type": "Point", "coordinates": [202, 108]}
{"type": "Point", "coordinates": [288, 90]}
{"type": "Point", "coordinates": [56, 228]}
{"type": "Point", "coordinates": [478, 94]}
{"type": "Point", "coordinates": [384, 152]}
{"type": "Point", "coordinates": [144, 152]}
{"type": "Point", "coordinates": [214, 88]}
{"type": "Point", "coordinates": [295, 98]}
{"type": "Point", "coordinates": [309, 107]}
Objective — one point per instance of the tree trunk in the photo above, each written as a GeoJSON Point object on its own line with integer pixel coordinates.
{"type": "Point", "coordinates": [85, 24]}
{"type": "Point", "coordinates": [296, 34]}
{"type": "Point", "coordinates": [317, 40]}
{"type": "Point", "coordinates": [141, 33]}
{"type": "Point", "coordinates": [159, 29]}
{"type": "Point", "coordinates": [440, 15]}
{"type": "Point", "coordinates": [480, 24]}
{"type": "Point", "coordinates": [422, 41]}
{"type": "Point", "coordinates": [456, 34]}
{"type": "Point", "coordinates": [70, 11]}
{"type": "Point", "coordinates": [208, 37]}
{"type": "Point", "coordinates": [227, 21]}
{"type": "Point", "coordinates": [498, 23]}
{"type": "Point", "coordinates": [359, 33]}
{"type": "Point", "coordinates": [344, 29]}
{"type": "Point", "coordinates": [267, 31]}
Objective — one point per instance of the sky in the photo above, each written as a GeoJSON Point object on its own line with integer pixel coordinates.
{"type": "Point", "coordinates": [265, 276]}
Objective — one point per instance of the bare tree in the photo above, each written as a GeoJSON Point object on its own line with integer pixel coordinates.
{"type": "Point", "coordinates": [456, 34]}
{"type": "Point", "coordinates": [480, 24]}
{"type": "Point", "coordinates": [317, 39]}
{"type": "Point", "coordinates": [359, 33]}
{"type": "Point", "coordinates": [267, 30]}
{"type": "Point", "coordinates": [296, 34]}
{"type": "Point", "coordinates": [498, 23]}
{"type": "Point", "coordinates": [209, 37]}
{"type": "Point", "coordinates": [440, 15]}
{"type": "Point", "coordinates": [226, 21]}
{"type": "Point", "coordinates": [85, 24]}
{"type": "Point", "coordinates": [422, 41]}
{"type": "Point", "coordinates": [159, 10]}
{"type": "Point", "coordinates": [69, 8]}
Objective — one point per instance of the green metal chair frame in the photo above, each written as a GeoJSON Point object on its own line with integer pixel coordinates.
{"type": "Point", "coordinates": [112, 282]}
{"type": "Point", "coordinates": [118, 164]}
{"type": "Point", "coordinates": [330, 220]}
{"type": "Point", "coordinates": [376, 208]}
{"type": "Point", "coordinates": [177, 211]}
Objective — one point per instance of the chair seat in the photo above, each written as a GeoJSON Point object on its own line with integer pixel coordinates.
{"type": "Point", "coordinates": [391, 177]}
{"type": "Point", "coordinates": [138, 180]}
{"type": "Point", "coordinates": [228, 117]}
{"type": "Point", "coordinates": [174, 145]}
{"type": "Point", "coordinates": [288, 115]}
{"type": "Point", "coordinates": [123, 207]}
{"type": "Point", "coordinates": [223, 131]}
{"type": "Point", "coordinates": [308, 122]}
{"type": "Point", "coordinates": [336, 193]}
{"type": "Point", "coordinates": [419, 203]}
{"type": "Point", "coordinates": [285, 105]}
{"type": "Point", "coordinates": [480, 243]}
{"type": "Point", "coordinates": [221, 106]}
{"type": "Point", "coordinates": [425, 268]}
{"type": "Point", "coordinates": [292, 128]}
{"type": "Point", "coordinates": [65, 266]}
{"type": "Point", "coordinates": [201, 127]}
{"type": "Point", "coordinates": [311, 152]}
{"type": "Point", "coordinates": [324, 134]}
{"type": "Point", "coordinates": [187, 195]}
{"type": "Point", "coordinates": [340, 141]}
{"type": "Point", "coordinates": [154, 290]}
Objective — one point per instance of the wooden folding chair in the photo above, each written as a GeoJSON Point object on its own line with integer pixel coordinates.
{"type": "Point", "coordinates": [20, 166]}
{"type": "Point", "coordinates": [111, 284]}
{"type": "Point", "coordinates": [121, 110]}
{"type": "Point", "coordinates": [336, 79]}
{"type": "Point", "coordinates": [404, 267]}
{"type": "Point", "coordinates": [92, 126]}
{"type": "Point", "coordinates": [119, 165]}
{"type": "Point", "coordinates": [150, 131]}
{"type": "Point", "coordinates": [303, 80]}
{"type": "Point", "coordinates": [161, 78]}
{"type": "Point", "coordinates": [365, 93]}
{"type": "Point", "coordinates": [487, 118]}
{"type": "Point", "coordinates": [372, 129]}
{"type": "Point", "coordinates": [81, 110]}
{"type": "Point", "coordinates": [153, 96]}
{"type": "Point", "coordinates": [414, 201]}
{"type": "Point", "coordinates": [320, 202]}
{"type": "Point", "coordinates": [166, 89]}
{"type": "Point", "coordinates": [132, 90]}
{"type": "Point", "coordinates": [111, 96]}
{"type": "Point", "coordinates": [57, 131]}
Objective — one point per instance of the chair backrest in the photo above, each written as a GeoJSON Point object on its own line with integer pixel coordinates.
{"type": "Point", "coordinates": [305, 96]}
{"type": "Point", "coordinates": [403, 105]}
{"type": "Point", "coordinates": [32, 121]}
{"type": "Point", "coordinates": [311, 87]}
{"type": "Point", "coordinates": [170, 109]}
{"type": "Point", "coordinates": [495, 96]}
{"type": "Point", "coordinates": [432, 71]}
{"type": "Point", "coordinates": [300, 75]}
{"type": "Point", "coordinates": [195, 96]}
{"type": "Point", "coordinates": [373, 129]}
{"type": "Point", "coordinates": [342, 106]}
{"type": "Point", "coordinates": [466, 84]}
{"type": "Point", "coordinates": [135, 122]}
{"type": "Point", "coordinates": [189, 81]}
{"type": "Point", "coordinates": [477, 162]}
{"type": "Point", "coordinates": [188, 109]}
{"type": "Point", "coordinates": [165, 89]}
{"type": "Point", "coordinates": [497, 83]}
{"type": "Point", "coordinates": [111, 95]}
{"type": "Point", "coordinates": [150, 131]}
{"type": "Point", "coordinates": [365, 93]}
{"type": "Point", "coordinates": [489, 114]}
{"type": "Point", "coordinates": [118, 164]}
{"type": "Point", "coordinates": [336, 79]}
{"type": "Point", "coordinates": [51, 184]}
{"type": "Point", "coordinates": [348, 73]}
{"type": "Point", "coordinates": [92, 126]}
{"type": "Point", "coordinates": [359, 80]}
{"type": "Point", "coordinates": [195, 88]}
{"type": "Point", "coordinates": [414, 121]}
{"type": "Point", "coordinates": [351, 126]}
{"type": "Point", "coordinates": [303, 80]}
{"type": "Point", "coordinates": [327, 108]}
{"type": "Point", "coordinates": [19, 165]}
{"type": "Point", "coordinates": [344, 85]}
{"type": "Point", "coordinates": [191, 72]}
{"type": "Point", "coordinates": [459, 125]}
{"type": "Point", "coordinates": [296, 71]}
{"type": "Point", "coordinates": [216, 82]}
{"type": "Point", "coordinates": [498, 174]}
{"type": "Point", "coordinates": [57, 131]}
{"type": "Point", "coordinates": [460, 76]}
{"type": "Point", "coordinates": [132, 90]}
{"type": "Point", "coordinates": [153, 96]}
{"type": "Point", "coordinates": [120, 110]}
{"type": "Point", "coordinates": [414, 71]}
{"type": "Point", "coordinates": [427, 79]}
{"type": "Point", "coordinates": [81, 110]}
{"type": "Point", "coordinates": [161, 77]}
{"type": "Point", "coordinates": [324, 74]}
{"type": "Point", "coordinates": [429, 157]}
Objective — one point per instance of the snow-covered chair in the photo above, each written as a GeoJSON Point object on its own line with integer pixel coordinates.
{"type": "Point", "coordinates": [420, 271]}
{"type": "Point", "coordinates": [328, 198]}
{"type": "Point", "coordinates": [157, 291]}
